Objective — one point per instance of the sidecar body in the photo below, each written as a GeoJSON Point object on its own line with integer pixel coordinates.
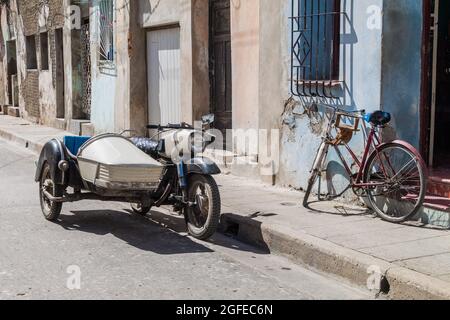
{"type": "Point", "coordinates": [107, 164]}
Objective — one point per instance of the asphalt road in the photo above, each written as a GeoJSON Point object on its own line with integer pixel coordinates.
{"type": "Point", "coordinates": [101, 251]}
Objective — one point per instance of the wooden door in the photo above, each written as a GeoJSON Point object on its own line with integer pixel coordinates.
{"type": "Point", "coordinates": [220, 63]}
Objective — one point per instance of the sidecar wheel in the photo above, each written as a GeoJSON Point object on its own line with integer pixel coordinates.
{"type": "Point", "coordinates": [204, 217]}
{"type": "Point", "coordinates": [139, 209]}
{"type": "Point", "coordinates": [50, 209]}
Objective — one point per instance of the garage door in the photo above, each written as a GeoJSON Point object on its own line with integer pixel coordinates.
{"type": "Point", "coordinates": [164, 86]}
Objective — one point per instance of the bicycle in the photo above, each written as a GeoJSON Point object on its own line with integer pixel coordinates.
{"type": "Point", "coordinates": [392, 176]}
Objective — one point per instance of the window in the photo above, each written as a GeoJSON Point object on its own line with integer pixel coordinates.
{"type": "Point", "coordinates": [315, 45]}
{"type": "Point", "coordinates": [44, 50]}
{"type": "Point", "coordinates": [31, 52]}
{"type": "Point", "coordinates": [106, 17]}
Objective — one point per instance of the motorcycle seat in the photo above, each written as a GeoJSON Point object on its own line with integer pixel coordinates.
{"type": "Point", "coordinates": [147, 145]}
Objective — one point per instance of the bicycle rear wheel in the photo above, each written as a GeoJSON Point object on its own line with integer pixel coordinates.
{"type": "Point", "coordinates": [321, 155]}
{"type": "Point", "coordinates": [398, 177]}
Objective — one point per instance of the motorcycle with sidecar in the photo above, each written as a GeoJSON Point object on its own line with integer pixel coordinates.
{"type": "Point", "coordinates": [167, 169]}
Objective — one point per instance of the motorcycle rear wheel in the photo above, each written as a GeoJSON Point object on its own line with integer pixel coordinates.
{"type": "Point", "coordinates": [203, 218]}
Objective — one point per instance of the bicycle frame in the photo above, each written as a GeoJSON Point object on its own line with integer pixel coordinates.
{"type": "Point", "coordinates": [373, 143]}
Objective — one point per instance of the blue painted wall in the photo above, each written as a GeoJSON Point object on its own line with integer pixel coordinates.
{"type": "Point", "coordinates": [401, 66]}
{"type": "Point", "coordinates": [380, 69]}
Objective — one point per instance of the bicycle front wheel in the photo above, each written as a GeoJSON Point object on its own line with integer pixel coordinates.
{"type": "Point", "coordinates": [396, 180]}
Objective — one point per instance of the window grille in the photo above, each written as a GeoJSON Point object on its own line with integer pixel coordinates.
{"type": "Point", "coordinates": [315, 41]}
{"type": "Point", "coordinates": [11, 30]}
{"type": "Point", "coordinates": [106, 17]}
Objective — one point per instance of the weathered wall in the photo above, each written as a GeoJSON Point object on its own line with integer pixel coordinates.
{"type": "Point", "coordinates": [36, 87]}
{"type": "Point", "coordinates": [162, 12]}
{"type": "Point", "coordinates": [360, 72]}
{"type": "Point", "coordinates": [245, 56]}
{"type": "Point", "coordinates": [104, 79]}
{"type": "Point", "coordinates": [192, 18]}
{"type": "Point", "coordinates": [401, 66]}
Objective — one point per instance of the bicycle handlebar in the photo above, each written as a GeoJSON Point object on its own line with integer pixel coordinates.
{"type": "Point", "coordinates": [354, 114]}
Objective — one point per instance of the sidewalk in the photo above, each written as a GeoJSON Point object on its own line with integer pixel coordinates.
{"type": "Point", "coordinates": [338, 239]}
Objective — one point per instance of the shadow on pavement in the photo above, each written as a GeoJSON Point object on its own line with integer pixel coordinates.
{"type": "Point", "coordinates": [134, 230]}
{"type": "Point", "coordinates": [157, 232]}
{"type": "Point", "coordinates": [339, 210]}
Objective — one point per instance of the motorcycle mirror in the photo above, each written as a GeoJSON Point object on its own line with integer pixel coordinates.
{"type": "Point", "coordinates": [208, 119]}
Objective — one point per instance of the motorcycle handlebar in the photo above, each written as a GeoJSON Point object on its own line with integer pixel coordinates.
{"type": "Point", "coordinates": [169, 126]}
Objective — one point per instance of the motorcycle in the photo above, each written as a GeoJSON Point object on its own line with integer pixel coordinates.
{"type": "Point", "coordinates": [166, 169]}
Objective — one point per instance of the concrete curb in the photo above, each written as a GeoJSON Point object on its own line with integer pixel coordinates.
{"type": "Point", "coordinates": [35, 147]}
{"type": "Point", "coordinates": [395, 281]}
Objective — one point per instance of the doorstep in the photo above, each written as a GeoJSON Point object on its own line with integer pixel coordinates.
{"type": "Point", "coordinates": [13, 111]}
{"type": "Point", "coordinates": [439, 183]}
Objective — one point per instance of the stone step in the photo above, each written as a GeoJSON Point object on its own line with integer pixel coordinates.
{"type": "Point", "coordinates": [13, 111]}
{"type": "Point", "coordinates": [439, 183]}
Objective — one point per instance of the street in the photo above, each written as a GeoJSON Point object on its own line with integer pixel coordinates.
{"type": "Point", "coordinates": [119, 255]}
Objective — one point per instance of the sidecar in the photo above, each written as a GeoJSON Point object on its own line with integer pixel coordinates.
{"type": "Point", "coordinates": [107, 167]}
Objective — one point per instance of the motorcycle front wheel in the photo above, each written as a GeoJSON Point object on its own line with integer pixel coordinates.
{"type": "Point", "coordinates": [203, 216]}
{"type": "Point", "coordinates": [140, 209]}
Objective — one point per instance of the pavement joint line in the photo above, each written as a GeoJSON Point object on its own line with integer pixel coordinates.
{"type": "Point", "coordinates": [426, 256]}
{"type": "Point", "coordinates": [406, 241]}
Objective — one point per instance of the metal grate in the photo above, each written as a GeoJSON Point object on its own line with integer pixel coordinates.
{"type": "Point", "coordinates": [86, 69]}
{"type": "Point", "coordinates": [315, 39]}
{"type": "Point", "coordinates": [106, 47]}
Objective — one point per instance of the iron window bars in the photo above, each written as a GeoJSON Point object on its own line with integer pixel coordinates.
{"type": "Point", "coordinates": [106, 8]}
{"type": "Point", "coordinates": [315, 39]}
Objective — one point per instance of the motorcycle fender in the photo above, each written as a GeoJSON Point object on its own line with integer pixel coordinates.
{"type": "Point", "coordinates": [52, 153]}
{"type": "Point", "coordinates": [203, 166]}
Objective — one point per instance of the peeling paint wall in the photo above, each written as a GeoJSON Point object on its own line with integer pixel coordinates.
{"type": "Point", "coordinates": [361, 73]}
{"type": "Point", "coordinates": [380, 68]}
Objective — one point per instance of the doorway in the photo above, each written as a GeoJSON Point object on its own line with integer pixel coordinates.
{"type": "Point", "coordinates": [12, 86]}
{"type": "Point", "coordinates": [164, 83]}
{"type": "Point", "coordinates": [439, 149]}
{"type": "Point", "coordinates": [220, 64]}
{"type": "Point", "coordinates": [60, 78]}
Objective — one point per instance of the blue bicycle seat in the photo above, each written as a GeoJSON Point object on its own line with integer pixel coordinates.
{"type": "Point", "coordinates": [73, 143]}
{"type": "Point", "coordinates": [378, 118]}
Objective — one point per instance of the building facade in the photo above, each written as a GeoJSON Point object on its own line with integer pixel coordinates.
{"type": "Point", "coordinates": [255, 64]}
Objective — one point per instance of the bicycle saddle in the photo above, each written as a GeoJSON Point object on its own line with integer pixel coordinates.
{"type": "Point", "coordinates": [378, 118]}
